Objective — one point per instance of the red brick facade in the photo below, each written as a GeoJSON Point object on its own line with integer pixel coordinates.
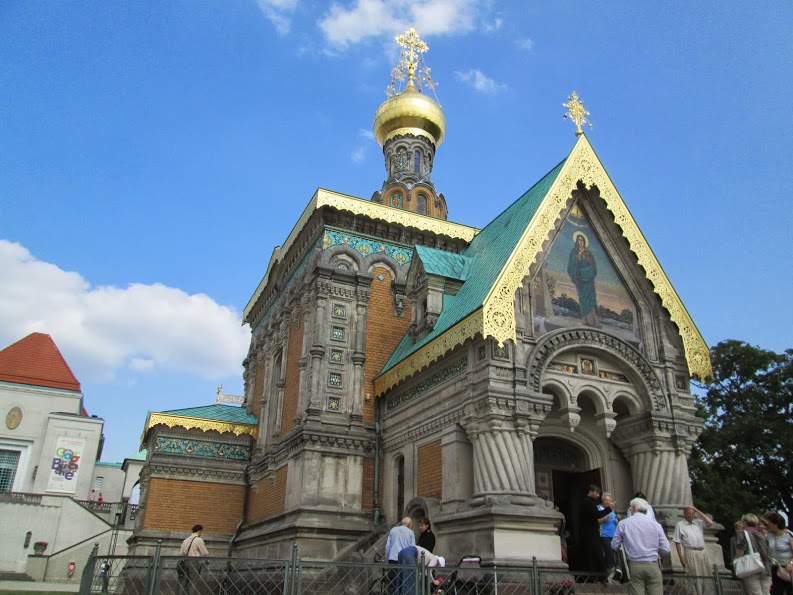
{"type": "Point", "coordinates": [269, 499]}
{"type": "Point", "coordinates": [429, 478]}
{"type": "Point", "coordinates": [177, 505]}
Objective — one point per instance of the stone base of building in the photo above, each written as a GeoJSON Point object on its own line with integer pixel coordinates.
{"type": "Point", "coordinates": [502, 533]}
{"type": "Point", "coordinates": [320, 534]}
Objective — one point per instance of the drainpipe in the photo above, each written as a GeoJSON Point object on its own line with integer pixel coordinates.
{"type": "Point", "coordinates": [238, 529]}
{"type": "Point", "coordinates": [377, 440]}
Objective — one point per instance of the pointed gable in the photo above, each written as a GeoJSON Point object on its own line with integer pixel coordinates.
{"type": "Point", "coordinates": [501, 256]}
{"type": "Point", "coordinates": [36, 361]}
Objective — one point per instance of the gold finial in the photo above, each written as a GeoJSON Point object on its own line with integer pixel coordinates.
{"type": "Point", "coordinates": [411, 62]}
{"type": "Point", "coordinates": [576, 112]}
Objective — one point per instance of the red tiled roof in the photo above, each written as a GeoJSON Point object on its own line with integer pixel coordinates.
{"type": "Point", "coordinates": [36, 360]}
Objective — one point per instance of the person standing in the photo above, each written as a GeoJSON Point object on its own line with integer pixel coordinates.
{"type": "Point", "coordinates": [398, 539]}
{"type": "Point", "coordinates": [645, 543]}
{"type": "Point", "coordinates": [690, 545]}
{"type": "Point", "coordinates": [780, 550]}
{"type": "Point", "coordinates": [589, 532]}
{"type": "Point", "coordinates": [608, 527]}
{"type": "Point", "coordinates": [756, 584]}
{"type": "Point", "coordinates": [426, 536]}
{"type": "Point", "coordinates": [192, 547]}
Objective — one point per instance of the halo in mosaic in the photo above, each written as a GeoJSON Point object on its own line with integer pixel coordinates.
{"type": "Point", "coordinates": [201, 448]}
{"type": "Point", "coordinates": [366, 246]}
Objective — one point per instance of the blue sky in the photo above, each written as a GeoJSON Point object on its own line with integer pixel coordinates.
{"type": "Point", "coordinates": [152, 155]}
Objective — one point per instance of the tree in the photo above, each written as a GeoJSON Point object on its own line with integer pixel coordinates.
{"type": "Point", "coordinates": [741, 461]}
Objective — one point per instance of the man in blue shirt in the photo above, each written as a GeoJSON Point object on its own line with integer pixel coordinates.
{"type": "Point", "coordinates": [645, 542]}
{"type": "Point", "coordinates": [399, 538]}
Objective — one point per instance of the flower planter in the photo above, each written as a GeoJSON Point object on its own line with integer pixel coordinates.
{"type": "Point", "coordinates": [39, 547]}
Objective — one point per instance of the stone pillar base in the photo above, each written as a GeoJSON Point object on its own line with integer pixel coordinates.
{"type": "Point", "coordinates": [502, 534]}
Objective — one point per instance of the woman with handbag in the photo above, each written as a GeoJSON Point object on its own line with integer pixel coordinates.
{"type": "Point", "coordinates": [780, 550]}
{"type": "Point", "coordinates": [750, 541]}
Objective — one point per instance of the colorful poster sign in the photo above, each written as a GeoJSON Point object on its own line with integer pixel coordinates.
{"type": "Point", "coordinates": [66, 465]}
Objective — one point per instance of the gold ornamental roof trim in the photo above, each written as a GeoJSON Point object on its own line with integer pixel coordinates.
{"type": "Point", "coordinates": [583, 165]}
{"type": "Point", "coordinates": [190, 423]}
{"type": "Point", "coordinates": [367, 208]}
{"type": "Point", "coordinates": [496, 317]}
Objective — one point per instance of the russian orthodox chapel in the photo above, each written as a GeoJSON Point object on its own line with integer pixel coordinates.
{"type": "Point", "coordinates": [401, 363]}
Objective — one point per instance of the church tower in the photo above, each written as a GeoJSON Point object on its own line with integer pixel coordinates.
{"type": "Point", "coordinates": [410, 127]}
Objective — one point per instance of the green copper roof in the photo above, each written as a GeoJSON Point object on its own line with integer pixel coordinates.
{"type": "Point", "coordinates": [486, 256]}
{"type": "Point", "coordinates": [444, 264]}
{"type": "Point", "coordinates": [216, 412]}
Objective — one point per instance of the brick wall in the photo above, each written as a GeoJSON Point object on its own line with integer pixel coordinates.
{"type": "Point", "coordinates": [177, 505]}
{"type": "Point", "coordinates": [384, 331]}
{"type": "Point", "coordinates": [292, 377]}
{"type": "Point", "coordinates": [429, 477]}
{"type": "Point", "coordinates": [269, 498]}
{"type": "Point", "coordinates": [367, 491]}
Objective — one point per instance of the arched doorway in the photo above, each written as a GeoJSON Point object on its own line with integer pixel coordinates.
{"type": "Point", "coordinates": [563, 473]}
{"type": "Point", "coordinates": [399, 469]}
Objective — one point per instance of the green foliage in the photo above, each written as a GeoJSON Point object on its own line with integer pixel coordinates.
{"type": "Point", "coordinates": [740, 463]}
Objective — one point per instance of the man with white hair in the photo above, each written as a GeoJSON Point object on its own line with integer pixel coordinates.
{"type": "Point", "coordinates": [645, 542]}
{"type": "Point", "coordinates": [690, 544]}
{"type": "Point", "coordinates": [399, 538]}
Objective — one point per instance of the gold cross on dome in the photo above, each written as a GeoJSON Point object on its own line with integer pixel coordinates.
{"type": "Point", "coordinates": [411, 64]}
{"type": "Point", "coordinates": [576, 112]}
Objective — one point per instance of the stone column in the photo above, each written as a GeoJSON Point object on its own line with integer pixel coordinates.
{"type": "Point", "coordinates": [304, 396]}
{"type": "Point", "coordinates": [362, 295]}
{"type": "Point", "coordinates": [320, 338]}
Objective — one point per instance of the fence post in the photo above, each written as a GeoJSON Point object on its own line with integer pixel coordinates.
{"type": "Point", "coordinates": [87, 576]}
{"type": "Point", "coordinates": [495, 579]}
{"type": "Point", "coordinates": [535, 577]}
{"type": "Point", "coordinates": [292, 575]}
{"type": "Point", "coordinates": [154, 571]}
{"type": "Point", "coordinates": [717, 578]}
{"type": "Point", "coordinates": [420, 578]}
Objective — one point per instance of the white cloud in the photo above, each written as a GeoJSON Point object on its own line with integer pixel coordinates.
{"type": "Point", "coordinates": [479, 81]}
{"type": "Point", "coordinates": [101, 330]}
{"type": "Point", "coordinates": [358, 155]}
{"type": "Point", "coordinates": [343, 26]}
{"type": "Point", "coordinates": [492, 27]}
{"type": "Point", "coordinates": [279, 12]}
{"type": "Point", "coordinates": [524, 44]}
{"type": "Point", "coordinates": [367, 134]}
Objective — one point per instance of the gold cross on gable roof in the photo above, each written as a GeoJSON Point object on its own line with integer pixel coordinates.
{"type": "Point", "coordinates": [576, 112]}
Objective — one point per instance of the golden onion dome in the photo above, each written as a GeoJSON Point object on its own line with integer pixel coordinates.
{"type": "Point", "coordinates": [410, 112]}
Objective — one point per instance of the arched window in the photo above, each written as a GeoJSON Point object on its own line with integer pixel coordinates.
{"type": "Point", "coordinates": [416, 162]}
{"type": "Point", "coordinates": [421, 204]}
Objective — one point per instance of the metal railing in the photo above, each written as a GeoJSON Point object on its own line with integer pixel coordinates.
{"type": "Point", "coordinates": [174, 575]}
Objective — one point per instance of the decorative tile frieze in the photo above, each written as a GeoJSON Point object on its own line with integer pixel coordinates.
{"type": "Point", "coordinates": [339, 311]}
{"type": "Point", "coordinates": [335, 379]}
{"type": "Point", "coordinates": [366, 246]}
{"type": "Point", "coordinates": [440, 376]}
{"type": "Point", "coordinates": [334, 404]}
{"type": "Point", "coordinates": [336, 356]}
{"type": "Point", "coordinates": [202, 448]}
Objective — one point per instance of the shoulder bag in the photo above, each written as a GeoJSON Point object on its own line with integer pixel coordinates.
{"type": "Point", "coordinates": [750, 563]}
{"type": "Point", "coordinates": [181, 565]}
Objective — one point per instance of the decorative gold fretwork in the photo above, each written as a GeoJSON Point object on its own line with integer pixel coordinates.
{"type": "Point", "coordinates": [584, 165]}
{"type": "Point", "coordinates": [411, 64]}
{"type": "Point", "coordinates": [189, 423]}
{"type": "Point", "coordinates": [576, 112]}
{"type": "Point", "coordinates": [366, 208]}
{"type": "Point", "coordinates": [434, 350]}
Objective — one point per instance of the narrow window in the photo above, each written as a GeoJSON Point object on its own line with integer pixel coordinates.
{"type": "Point", "coordinates": [416, 162]}
{"type": "Point", "coordinates": [421, 204]}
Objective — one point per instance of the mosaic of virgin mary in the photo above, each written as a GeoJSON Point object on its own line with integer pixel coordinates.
{"type": "Point", "coordinates": [582, 268]}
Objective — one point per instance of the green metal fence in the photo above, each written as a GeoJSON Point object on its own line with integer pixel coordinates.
{"type": "Point", "coordinates": [173, 575]}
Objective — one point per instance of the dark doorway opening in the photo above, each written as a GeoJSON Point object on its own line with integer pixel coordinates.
{"type": "Point", "coordinates": [400, 471]}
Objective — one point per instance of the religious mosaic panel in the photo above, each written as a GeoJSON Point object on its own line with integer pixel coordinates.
{"type": "Point", "coordinates": [579, 285]}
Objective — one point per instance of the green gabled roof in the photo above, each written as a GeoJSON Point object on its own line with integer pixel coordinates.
{"type": "Point", "coordinates": [216, 412]}
{"type": "Point", "coordinates": [444, 264]}
{"type": "Point", "coordinates": [486, 256]}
